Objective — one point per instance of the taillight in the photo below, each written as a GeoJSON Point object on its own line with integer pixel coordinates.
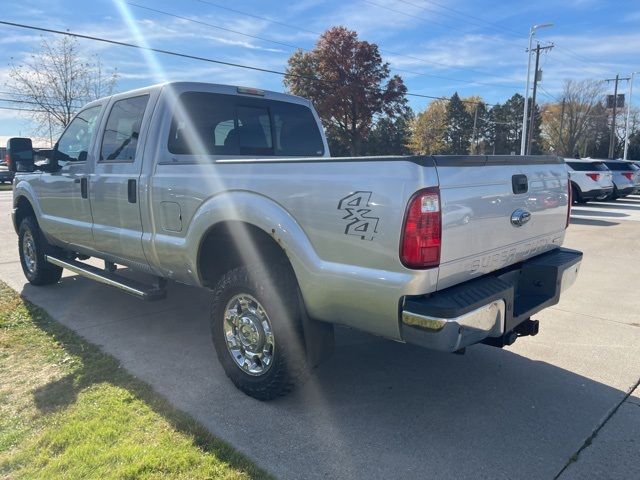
{"type": "Point", "coordinates": [629, 175]}
{"type": "Point", "coordinates": [593, 176]}
{"type": "Point", "coordinates": [570, 197]}
{"type": "Point", "coordinates": [7, 160]}
{"type": "Point", "coordinates": [421, 233]}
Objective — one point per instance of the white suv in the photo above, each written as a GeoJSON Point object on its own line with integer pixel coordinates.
{"type": "Point", "coordinates": [590, 179]}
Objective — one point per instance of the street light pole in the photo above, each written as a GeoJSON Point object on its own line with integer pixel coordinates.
{"type": "Point", "coordinates": [532, 32]}
{"type": "Point", "coordinates": [626, 124]}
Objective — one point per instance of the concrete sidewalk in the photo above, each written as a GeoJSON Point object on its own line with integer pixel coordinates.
{"type": "Point", "coordinates": [379, 409]}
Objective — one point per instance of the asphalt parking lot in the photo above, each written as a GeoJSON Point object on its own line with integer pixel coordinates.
{"type": "Point", "coordinates": [564, 404]}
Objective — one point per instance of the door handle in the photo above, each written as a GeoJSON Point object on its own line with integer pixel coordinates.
{"type": "Point", "coordinates": [83, 187]}
{"type": "Point", "coordinates": [131, 190]}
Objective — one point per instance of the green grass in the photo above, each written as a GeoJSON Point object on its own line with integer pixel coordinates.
{"type": "Point", "coordinates": [5, 187]}
{"type": "Point", "coordinates": [68, 410]}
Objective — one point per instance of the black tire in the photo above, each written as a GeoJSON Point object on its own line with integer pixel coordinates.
{"type": "Point", "coordinates": [40, 272]}
{"type": "Point", "coordinates": [575, 194]}
{"type": "Point", "coordinates": [276, 290]}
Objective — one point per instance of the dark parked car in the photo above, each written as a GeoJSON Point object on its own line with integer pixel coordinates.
{"type": "Point", "coordinates": [6, 175]}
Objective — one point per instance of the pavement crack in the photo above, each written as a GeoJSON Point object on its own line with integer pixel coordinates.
{"type": "Point", "coordinates": [594, 434]}
{"type": "Point", "coordinates": [596, 317]}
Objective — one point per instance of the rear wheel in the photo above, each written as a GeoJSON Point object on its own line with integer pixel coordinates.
{"type": "Point", "coordinates": [32, 248]}
{"type": "Point", "coordinates": [257, 331]}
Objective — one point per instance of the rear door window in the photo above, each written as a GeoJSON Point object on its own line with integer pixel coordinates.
{"type": "Point", "coordinates": [218, 124]}
{"type": "Point", "coordinates": [120, 138]}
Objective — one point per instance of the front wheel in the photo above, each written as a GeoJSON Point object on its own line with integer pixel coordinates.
{"type": "Point", "coordinates": [32, 248]}
{"type": "Point", "coordinates": [257, 330]}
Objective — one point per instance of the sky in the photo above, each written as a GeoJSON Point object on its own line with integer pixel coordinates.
{"type": "Point", "coordinates": [474, 47]}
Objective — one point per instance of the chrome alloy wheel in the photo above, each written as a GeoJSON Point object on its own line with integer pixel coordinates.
{"type": "Point", "coordinates": [29, 251]}
{"type": "Point", "coordinates": [248, 334]}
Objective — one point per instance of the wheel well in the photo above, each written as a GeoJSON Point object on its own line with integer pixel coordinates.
{"type": "Point", "coordinates": [229, 245]}
{"type": "Point", "coordinates": [23, 210]}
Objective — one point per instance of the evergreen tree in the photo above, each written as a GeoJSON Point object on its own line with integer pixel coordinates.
{"type": "Point", "coordinates": [390, 135]}
{"type": "Point", "coordinates": [506, 126]}
{"type": "Point", "coordinates": [458, 127]}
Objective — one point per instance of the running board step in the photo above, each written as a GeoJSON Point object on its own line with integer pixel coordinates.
{"type": "Point", "coordinates": [137, 289]}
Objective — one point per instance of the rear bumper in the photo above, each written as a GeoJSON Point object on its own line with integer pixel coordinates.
{"type": "Point", "coordinates": [491, 307]}
{"type": "Point", "coordinates": [623, 192]}
{"type": "Point", "coordinates": [599, 193]}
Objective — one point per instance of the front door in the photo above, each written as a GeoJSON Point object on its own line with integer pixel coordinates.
{"type": "Point", "coordinates": [66, 212]}
{"type": "Point", "coordinates": [117, 224]}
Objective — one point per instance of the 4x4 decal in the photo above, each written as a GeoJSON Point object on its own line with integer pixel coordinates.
{"type": "Point", "coordinates": [361, 224]}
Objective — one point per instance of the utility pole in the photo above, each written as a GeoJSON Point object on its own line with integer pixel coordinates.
{"type": "Point", "coordinates": [612, 139]}
{"type": "Point", "coordinates": [564, 101]}
{"type": "Point", "coordinates": [475, 123]}
{"type": "Point", "coordinates": [532, 121]}
{"type": "Point", "coordinates": [626, 122]}
{"type": "Point", "coordinates": [523, 139]}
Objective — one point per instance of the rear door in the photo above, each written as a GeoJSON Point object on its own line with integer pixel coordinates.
{"type": "Point", "coordinates": [497, 211]}
{"type": "Point", "coordinates": [117, 224]}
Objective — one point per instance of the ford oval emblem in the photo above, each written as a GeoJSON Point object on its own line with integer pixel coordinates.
{"type": "Point", "coordinates": [520, 217]}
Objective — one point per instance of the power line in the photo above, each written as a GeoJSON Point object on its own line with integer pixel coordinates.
{"type": "Point", "coordinates": [191, 57]}
{"type": "Point", "coordinates": [449, 27]}
{"type": "Point", "coordinates": [458, 13]}
{"type": "Point", "coordinates": [551, 96]}
{"type": "Point", "coordinates": [385, 51]}
{"type": "Point", "coordinates": [31, 102]}
{"type": "Point", "coordinates": [295, 27]}
{"type": "Point", "coordinates": [471, 82]}
{"type": "Point", "coordinates": [23, 109]}
{"type": "Point", "coordinates": [225, 29]}
{"type": "Point", "coordinates": [568, 52]}
{"type": "Point", "coordinates": [156, 50]}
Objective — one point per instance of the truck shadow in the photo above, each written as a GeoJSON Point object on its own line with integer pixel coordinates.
{"type": "Point", "coordinates": [375, 409]}
{"type": "Point", "coordinates": [592, 213]}
{"type": "Point", "coordinates": [626, 206]}
{"type": "Point", "coordinates": [592, 221]}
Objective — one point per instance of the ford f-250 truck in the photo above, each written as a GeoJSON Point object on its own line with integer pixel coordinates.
{"type": "Point", "coordinates": [233, 189]}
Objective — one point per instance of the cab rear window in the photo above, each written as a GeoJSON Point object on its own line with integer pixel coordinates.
{"type": "Point", "coordinates": [217, 124]}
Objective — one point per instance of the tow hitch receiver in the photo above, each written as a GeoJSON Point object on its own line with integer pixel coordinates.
{"type": "Point", "coordinates": [528, 328]}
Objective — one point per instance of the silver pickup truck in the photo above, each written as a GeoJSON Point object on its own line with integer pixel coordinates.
{"type": "Point", "coordinates": [233, 189]}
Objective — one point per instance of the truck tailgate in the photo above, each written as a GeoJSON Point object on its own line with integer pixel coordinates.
{"type": "Point", "coordinates": [479, 196]}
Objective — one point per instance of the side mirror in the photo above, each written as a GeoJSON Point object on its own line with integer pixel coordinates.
{"type": "Point", "coordinates": [43, 154]}
{"type": "Point", "coordinates": [19, 155]}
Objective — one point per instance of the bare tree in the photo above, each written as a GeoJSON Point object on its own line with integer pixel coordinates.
{"type": "Point", "coordinates": [58, 80]}
{"type": "Point", "coordinates": [565, 128]}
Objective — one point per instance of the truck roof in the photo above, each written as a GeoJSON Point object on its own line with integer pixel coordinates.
{"type": "Point", "coordinates": [183, 86]}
